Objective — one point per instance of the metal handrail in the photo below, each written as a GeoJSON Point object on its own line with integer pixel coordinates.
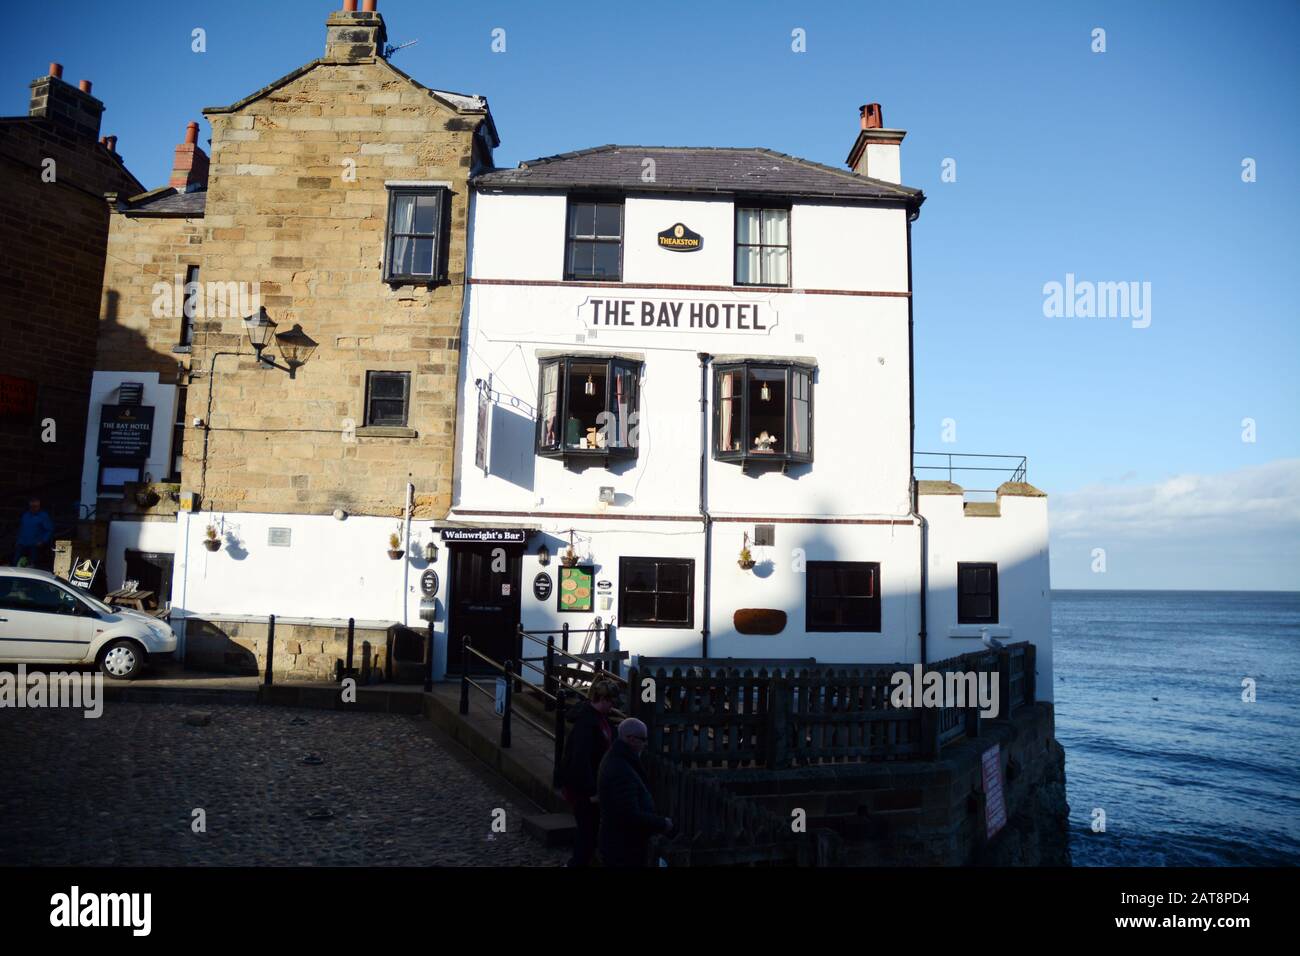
{"type": "Point", "coordinates": [1018, 471]}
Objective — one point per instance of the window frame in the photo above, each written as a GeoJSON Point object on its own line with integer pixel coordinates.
{"type": "Point", "coordinates": [570, 237]}
{"type": "Point", "coordinates": [746, 205]}
{"type": "Point", "coordinates": [623, 575]}
{"type": "Point", "coordinates": [746, 455]}
{"type": "Point", "coordinates": [875, 600]}
{"type": "Point", "coordinates": [564, 365]}
{"type": "Point", "coordinates": [962, 616]}
{"type": "Point", "coordinates": [367, 421]}
{"type": "Point", "coordinates": [439, 235]}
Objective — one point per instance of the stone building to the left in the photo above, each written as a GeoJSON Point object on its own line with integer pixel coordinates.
{"type": "Point", "coordinates": [55, 169]}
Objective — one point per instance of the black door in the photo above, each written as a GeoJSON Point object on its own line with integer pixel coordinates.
{"type": "Point", "coordinates": [154, 572]}
{"type": "Point", "coordinates": [484, 604]}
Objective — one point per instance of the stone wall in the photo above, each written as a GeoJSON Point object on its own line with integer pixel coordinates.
{"type": "Point", "coordinates": [931, 813]}
{"type": "Point", "coordinates": [143, 251]}
{"type": "Point", "coordinates": [307, 651]}
{"type": "Point", "coordinates": [52, 241]}
{"type": "Point", "coordinates": [297, 203]}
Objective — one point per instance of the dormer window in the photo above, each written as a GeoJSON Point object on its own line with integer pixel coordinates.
{"type": "Point", "coordinates": [588, 408]}
{"type": "Point", "coordinates": [762, 412]}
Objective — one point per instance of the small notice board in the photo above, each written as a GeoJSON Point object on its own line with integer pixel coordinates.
{"type": "Point", "coordinates": [995, 804]}
{"type": "Point", "coordinates": [575, 588]}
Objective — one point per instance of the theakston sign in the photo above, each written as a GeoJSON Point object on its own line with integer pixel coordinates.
{"type": "Point", "coordinates": [680, 238]}
{"type": "Point", "coordinates": [681, 315]}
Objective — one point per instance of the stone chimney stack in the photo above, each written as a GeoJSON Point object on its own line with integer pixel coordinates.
{"type": "Point", "coordinates": [190, 168]}
{"type": "Point", "coordinates": [75, 110]}
{"type": "Point", "coordinates": [352, 36]}
{"type": "Point", "coordinates": [876, 151]}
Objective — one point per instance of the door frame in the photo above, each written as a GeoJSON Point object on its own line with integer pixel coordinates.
{"type": "Point", "coordinates": [515, 555]}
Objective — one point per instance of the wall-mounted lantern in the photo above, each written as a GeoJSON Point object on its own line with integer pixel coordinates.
{"type": "Point", "coordinates": [543, 555]}
{"type": "Point", "coordinates": [296, 346]}
{"type": "Point", "coordinates": [431, 551]}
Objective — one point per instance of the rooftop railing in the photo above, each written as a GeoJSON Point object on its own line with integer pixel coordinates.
{"type": "Point", "coordinates": [972, 472]}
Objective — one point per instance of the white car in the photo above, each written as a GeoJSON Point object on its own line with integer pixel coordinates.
{"type": "Point", "coordinates": [44, 620]}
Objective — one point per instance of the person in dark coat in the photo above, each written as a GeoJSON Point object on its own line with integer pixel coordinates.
{"type": "Point", "coordinates": [627, 818]}
{"type": "Point", "coordinates": [587, 743]}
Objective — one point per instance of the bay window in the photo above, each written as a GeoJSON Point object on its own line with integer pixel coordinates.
{"type": "Point", "coordinates": [588, 408]}
{"type": "Point", "coordinates": [762, 412]}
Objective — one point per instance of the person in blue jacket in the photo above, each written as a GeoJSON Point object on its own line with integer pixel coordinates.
{"type": "Point", "coordinates": [35, 533]}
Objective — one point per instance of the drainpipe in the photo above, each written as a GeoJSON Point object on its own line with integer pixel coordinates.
{"type": "Point", "coordinates": [704, 507]}
{"type": "Point", "coordinates": [923, 526]}
{"type": "Point", "coordinates": [406, 561]}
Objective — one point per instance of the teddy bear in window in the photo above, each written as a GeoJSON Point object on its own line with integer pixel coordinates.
{"type": "Point", "coordinates": [764, 442]}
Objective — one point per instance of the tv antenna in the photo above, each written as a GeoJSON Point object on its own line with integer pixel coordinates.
{"type": "Point", "coordinates": [389, 50]}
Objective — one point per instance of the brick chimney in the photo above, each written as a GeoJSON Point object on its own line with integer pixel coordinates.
{"type": "Point", "coordinates": [72, 109]}
{"type": "Point", "coordinates": [352, 36]}
{"type": "Point", "coordinates": [190, 168]}
{"type": "Point", "coordinates": [876, 151]}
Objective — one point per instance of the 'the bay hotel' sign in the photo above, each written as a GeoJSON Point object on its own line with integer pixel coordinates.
{"type": "Point", "coordinates": [752, 318]}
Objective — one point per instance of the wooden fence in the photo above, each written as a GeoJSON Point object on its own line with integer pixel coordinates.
{"type": "Point", "coordinates": [715, 827]}
{"type": "Point", "coordinates": [755, 716]}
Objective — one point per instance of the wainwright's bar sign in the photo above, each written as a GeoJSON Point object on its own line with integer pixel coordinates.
{"type": "Point", "coordinates": [686, 315]}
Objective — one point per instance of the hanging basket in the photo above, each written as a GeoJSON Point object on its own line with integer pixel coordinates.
{"type": "Point", "coordinates": [395, 554]}
{"type": "Point", "coordinates": [212, 544]}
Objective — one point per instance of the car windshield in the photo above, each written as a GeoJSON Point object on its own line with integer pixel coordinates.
{"type": "Point", "coordinates": [95, 603]}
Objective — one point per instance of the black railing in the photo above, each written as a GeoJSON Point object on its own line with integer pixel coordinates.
{"type": "Point", "coordinates": [947, 466]}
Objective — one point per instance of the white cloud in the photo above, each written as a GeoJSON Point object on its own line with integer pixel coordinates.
{"type": "Point", "coordinates": [1259, 498]}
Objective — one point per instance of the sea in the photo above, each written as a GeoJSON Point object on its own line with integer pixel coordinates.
{"type": "Point", "coordinates": [1168, 760]}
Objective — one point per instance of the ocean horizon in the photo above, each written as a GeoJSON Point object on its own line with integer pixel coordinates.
{"type": "Point", "coordinates": [1160, 744]}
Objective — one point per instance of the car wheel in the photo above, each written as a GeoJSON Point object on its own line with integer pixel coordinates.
{"type": "Point", "coordinates": [122, 660]}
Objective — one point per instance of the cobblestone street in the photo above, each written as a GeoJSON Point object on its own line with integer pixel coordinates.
{"type": "Point", "coordinates": [121, 790]}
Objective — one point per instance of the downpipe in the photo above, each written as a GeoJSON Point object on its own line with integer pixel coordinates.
{"type": "Point", "coordinates": [704, 358]}
{"type": "Point", "coordinates": [923, 526]}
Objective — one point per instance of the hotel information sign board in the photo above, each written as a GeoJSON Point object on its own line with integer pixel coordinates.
{"type": "Point", "coordinates": [995, 805]}
{"type": "Point", "coordinates": [125, 432]}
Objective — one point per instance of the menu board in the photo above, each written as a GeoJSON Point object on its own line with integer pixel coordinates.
{"type": "Point", "coordinates": [995, 807]}
{"type": "Point", "coordinates": [576, 588]}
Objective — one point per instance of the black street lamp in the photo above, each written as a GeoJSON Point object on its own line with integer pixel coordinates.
{"type": "Point", "coordinates": [296, 346]}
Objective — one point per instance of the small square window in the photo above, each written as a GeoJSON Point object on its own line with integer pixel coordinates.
{"type": "Point", "coordinates": [387, 398]}
{"type": "Point", "coordinates": [656, 592]}
{"type": "Point", "coordinates": [843, 596]}
{"type": "Point", "coordinates": [764, 535]}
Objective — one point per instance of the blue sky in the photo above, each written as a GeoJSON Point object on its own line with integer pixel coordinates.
{"type": "Point", "coordinates": [1117, 166]}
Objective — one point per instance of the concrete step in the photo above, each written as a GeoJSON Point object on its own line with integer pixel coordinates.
{"type": "Point", "coordinates": [551, 829]}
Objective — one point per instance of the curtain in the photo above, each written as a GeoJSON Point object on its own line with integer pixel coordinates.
{"type": "Point", "coordinates": [726, 407]}
{"type": "Point", "coordinates": [403, 221]}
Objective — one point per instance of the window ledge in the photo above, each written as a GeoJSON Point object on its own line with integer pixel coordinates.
{"type": "Point", "coordinates": [386, 431]}
{"type": "Point", "coordinates": [582, 457]}
{"type": "Point", "coordinates": [974, 630]}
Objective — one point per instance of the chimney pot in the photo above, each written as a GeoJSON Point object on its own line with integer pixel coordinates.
{"type": "Point", "coordinates": [56, 70]}
{"type": "Point", "coordinates": [872, 117]}
{"type": "Point", "coordinates": [190, 167]}
{"type": "Point", "coordinates": [349, 6]}
{"type": "Point", "coordinates": [111, 143]}
{"type": "Point", "coordinates": [369, 6]}
{"type": "Point", "coordinates": [192, 133]}
{"type": "Point", "coordinates": [84, 86]}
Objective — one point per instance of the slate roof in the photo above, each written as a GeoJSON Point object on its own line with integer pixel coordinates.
{"type": "Point", "coordinates": [166, 202]}
{"type": "Point", "coordinates": [696, 169]}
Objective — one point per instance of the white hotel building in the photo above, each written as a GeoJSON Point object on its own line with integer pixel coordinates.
{"type": "Point", "coordinates": [672, 355]}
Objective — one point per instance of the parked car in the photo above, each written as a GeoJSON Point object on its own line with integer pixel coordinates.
{"type": "Point", "coordinates": [44, 620]}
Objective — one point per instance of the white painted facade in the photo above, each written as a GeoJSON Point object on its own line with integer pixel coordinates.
{"type": "Point", "coordinates": [846, 311]}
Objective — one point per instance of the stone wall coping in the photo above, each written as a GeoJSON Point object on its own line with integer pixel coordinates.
{"type": "Point", "coordinates": [369, 625]}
